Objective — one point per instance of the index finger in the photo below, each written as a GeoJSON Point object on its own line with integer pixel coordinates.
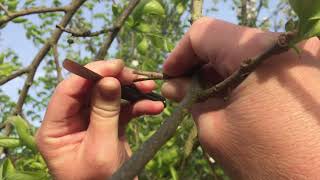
{"type": "Point", "coordinates": [182, 58]}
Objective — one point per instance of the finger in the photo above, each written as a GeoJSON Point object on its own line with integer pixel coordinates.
{"type": "Point", "coordinates": [175, 89]}
{"type": "Point", "coordinates": [105, 109]}
{"type": "Point", "coordinates": [70, 94]}
{"type": "Point", "coordinates": [224, 44]}
{"type": "Point", "coordinates": [127, 77]}
{"type": "Point", "coordinates": [182, 58]}
{"type": "Point", "coordinates": [144, 107]}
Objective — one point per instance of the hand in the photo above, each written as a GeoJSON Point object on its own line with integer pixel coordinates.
{"type": "Point", "coordinates": [82, 134]}
{"type": "Point", "coordinates": [270, 126]}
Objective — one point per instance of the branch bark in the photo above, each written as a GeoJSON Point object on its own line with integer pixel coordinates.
{"type": "Point", "coordinates": [36, 10]}
{"type": "Point", "coordinates": [148, 149]}
{"type": "Point", "coordinates": [196, 10]}
{"type": "Point", "coordinates": [85, 33]}
{"type": "Point", "coordinates": [72, 8]}
{"type": "Point", "coordinates": [56, 62]}
{"type": "Point", "coordinates": [102, 53]}
{"type": "Point", "coordinates": [14, 75]}
{"type": "Point", "coordinates": [244, 13]}
{"type": "Point", "coordinates": [248, 66]}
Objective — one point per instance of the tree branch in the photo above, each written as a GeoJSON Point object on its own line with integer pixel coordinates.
{"type": "Point", "coordinates": [148, 149]}
{"type": "Point", "coordinates": [56, 62]}
{"type": "Point", "coordinates": [258, 12]}
{"type": "Point", "coordinates": [116, 28]}
{"type": "Point", "coordinates": [85, 33]}
{"type": "Point", "coordinates": [196, 8]}
{"type": "Point", "coordinates": [248, 66]}
{"type": "Point", "coordinates": [36, 10]}
{"type": "Point", "coordinates": [73, 7]}
{"type": "Point", "coordinates": [244, 13]}
{"type": "Point", "coordinates": [14, 75]}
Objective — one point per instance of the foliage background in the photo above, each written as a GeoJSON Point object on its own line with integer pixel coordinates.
{"type": "Point", "coordinates": [143, 42]}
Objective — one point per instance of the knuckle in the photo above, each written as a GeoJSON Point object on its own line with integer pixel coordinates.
{"type": "Point", "coordinates": [107, 111]}
{"type": "Point", "coordinates": [202, 22]}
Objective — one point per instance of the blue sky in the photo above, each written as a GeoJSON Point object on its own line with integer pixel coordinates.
{"type": "Point", "coordinates": [13, 37]}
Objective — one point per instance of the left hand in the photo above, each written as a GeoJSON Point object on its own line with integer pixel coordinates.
{"type": "Point", "coordinates": [82, 134]}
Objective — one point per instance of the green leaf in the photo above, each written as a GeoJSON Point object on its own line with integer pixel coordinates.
{"type": "Point", "coordinates": [7, 142]}
{"type": "Point", "coordinates": [2, 56]}
{"type": "Point", "coordinates": [180, 8]}
{"type": "Point", "coordinates": [8, 168]}
{"type": "Point", "coordinates": [143, 46]}
{"type": "Point", "coordinates": [25, 175]}
{"type": "Point", "coordinates": [143, 27]}
{"type": "Point", "coordinates": [116, 10]}
{"type": "Point", "coordinates": [308, 12]}
{"type": "Point", "coordinates": [174, 173]}
{"type": "Point", "coordinates": [291, 25]}
{"type": "Point", "coordinates": [12, 5]}
{"type": "Point", "coordinates": [7, 68]}
{"type": "Point", "coordinates": [154, 7]}
{"type": "Point", "coordinates": [19, 20]}
{"type": "Point", "coordinates": [24, 132]}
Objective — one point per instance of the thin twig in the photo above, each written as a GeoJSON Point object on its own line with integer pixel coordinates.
{"type": "Point", "coordinates": [14, 75]}
{"type": "Point", "coordinates": [85, 33]}
{"type": "Point", "coordinates": [56, 62]}
{"type": "Point", "coordinates": [116, 28]}
{"type": "Point", "coordinates": [148, 149]}
{"type": "Point", "coordinates": [254, 22]}
{"type": "Point", "coordinates": [2, 7]}
{"type": "Point", "coordinates": [35, 10]}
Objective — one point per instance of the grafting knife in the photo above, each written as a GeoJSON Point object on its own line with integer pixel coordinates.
{"type": "Point", "coordinates": [128, 92]}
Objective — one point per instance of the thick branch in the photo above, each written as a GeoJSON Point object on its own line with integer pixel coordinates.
{"type": "Point", "coordinates": [196, 10]}
{"type": "Point", "coordinates": [85, 33]}
{"type": "Point", "coordinates": [116, 28]}
{"type": "Point", "coordinates": [146, 152]}
{"type": "Point", "coordinates": [14, 75]}
{"type": "Point", "coordinates": [248, 66]}
{"type": "Point", "coordinates": [35, 10]}
{"type": "Point", "coordinates": [244, 13]}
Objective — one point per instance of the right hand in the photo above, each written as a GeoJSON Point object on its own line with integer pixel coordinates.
{"type": "Point", "coordinates": [270, 126]}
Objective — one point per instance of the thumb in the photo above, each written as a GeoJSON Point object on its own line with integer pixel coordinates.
{"type": "Point", "coordinates": [105, 108]}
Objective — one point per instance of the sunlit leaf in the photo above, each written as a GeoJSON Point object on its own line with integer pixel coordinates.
{"type": "Point", "coordinates": [7, 142]}
{"type": "Point", "coordinates": [174, 173]}
{"type": "Point", "coordinates": [23, 131]}
{"type": "Point", "coordinates": [19, 20]}
{"type": "Point", "coordinates": [143, 46]}
{"type": "Point", "coordinates": [308, 12]}
{"type": "Point", "coordinates": [154, 7]}
{"type": "Point", "coordinates": [8, 168]}
{"type": "Point", "coordinates": [27, 176]}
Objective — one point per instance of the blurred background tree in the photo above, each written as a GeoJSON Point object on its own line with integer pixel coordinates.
{"type": "Point", "coordinates": [31, 52]}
